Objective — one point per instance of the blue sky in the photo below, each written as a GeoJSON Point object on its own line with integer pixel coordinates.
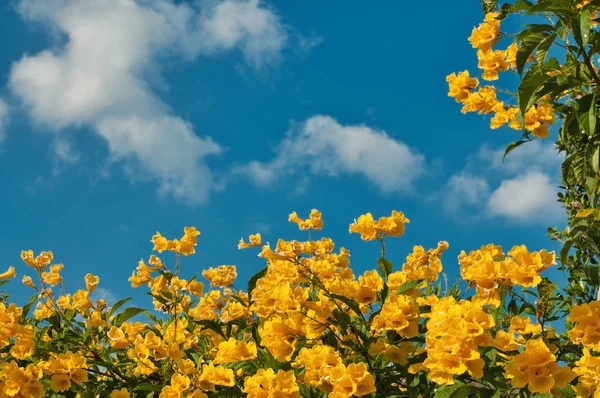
{"type": "Point", "coordinates": [119, 118]}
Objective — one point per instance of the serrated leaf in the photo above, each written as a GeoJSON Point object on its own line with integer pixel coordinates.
{"type": "Point", "coordinates": [406, 286]}
{"type": "Point", "coordinates": [385, 267]}
{"type": "Point", "coordinates": [118, 305]}
{"type": "Point", "coordinates": [596, 160]}
{"type": "Point", "coordinates": [127, 314]}
{"type": "Point", "coordinates": [512, 146]}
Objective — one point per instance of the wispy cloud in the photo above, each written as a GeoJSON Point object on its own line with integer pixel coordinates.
{"type": "Point", "coordinates": [522, 188]}
{"type": "Point", "coordinates": [98, 77]}
{"type": "Point", "coordinates": [322, 146]}
{"type": "Point", "coordinates": [3, 119]}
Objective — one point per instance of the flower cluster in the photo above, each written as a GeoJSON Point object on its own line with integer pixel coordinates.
{"type": "Point", "coordinates": [484, 101]}
{"type": "Point", "coordinates": [488, 268]}
{"type": "Point", "coordinates": [308, 326]}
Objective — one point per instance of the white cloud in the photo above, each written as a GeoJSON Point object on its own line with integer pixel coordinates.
{"type": "Point", "coordinates": [528, 197]}
{"type": "Point", "coordinates": [3, 119]}
{"type": "Point", "coordinates": [523, 188]}
{"type": "Point", "coordinates": [465, 190]}
{"type": "Point", "coordinates": [98, 77]}
{"type": "Point", "coordinates": [325, 147]}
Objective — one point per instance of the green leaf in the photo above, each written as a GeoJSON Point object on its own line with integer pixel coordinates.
{"type": "Point", "coordinates": [385, 267]}
{"type": "Point", "coordinates": [512, 146]}
{"type": "Point", "coordinates": [581, 28]}
{"type": "Point", "coordinates": [596, 160]}
{"type": "Point", "coordinates": [564, 251]}
{"type": "Point", "coordinates": [586, 113]}
{"type": "Point", "coordinates": [527, 46]}
{"type": "Point", "coordinates": [454, 391]}
{"type": "Point", "coordinates": [349, 302]}
{"type": "Point", "coordinates": [148, 387]}
{"type": "Point", "coordinates": [406, 286]}
{"type": "Point", "coordinates": [542, 49]}
{"type": "Point", "coordinates": [527, 89]}
{"type": "Point", "coordinates": [128, 313]}
{"type": "Point", "coordinates": [254, 279]}
{"type": "Point", "coordinates": [212, 325]}
{"type": "Point", "coordinates": [118, 305]}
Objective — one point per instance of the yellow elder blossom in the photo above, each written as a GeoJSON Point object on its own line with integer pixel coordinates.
{"type": "Point", "coordinates": [370, 229]}
{"type": "Point", "coordinates": [588, 370]}
{"type": "Point", "coordinates": [587, 329]}
{"type": "Point", "coordinates": [222, 276]}
{"type": "Point", "coordinates": [212, 376]}
{"type": "Point", "coordinates": [267, 383]}
{"type": "Point", "coordinates": [486, 34]}
{"type": "Point", "coordinates": [255, 240]}
{"type": "Point", "coordinates": [40, 262]}
{"type": "Point", "coordinates": [455, 330]}
{"type": "Point", "coordinates": [10, 273]}
{"type": "Point", "coordinates": [537, 369]}
{"type": "Point", "coordinates": [482, 101]}
{"type": "Point", "coordinates": [461, 85]}
{"type": "Point", "coordinates": [421, 264]}
{"type": "Point", "coordinates": [314, 220]}
{"type": "Point", "coordinates": [492, 62]}
{"type": "Point", "coordinates": [233, 350]}
{"type": "Point", "coordinates": [122, 393]}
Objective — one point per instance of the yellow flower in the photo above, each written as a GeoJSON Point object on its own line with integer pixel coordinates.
{"type": "Point", "coordinates": [486, 35]}
{"type": "Point", "coordinates": [482, 101]}
{"type": "Point", "coordinates": [461, 85]}
{"type": "Point", "coordinates": [28, 282]}
{"type": "Point", "coordinates": [314, 221]}
{"type": "Point", "coordinates": [60, 382]}
{"type": "Point", "coordinates": [265, 383]}
{"type": "Point", "coordinates": [537, 369]}
{"type": "Point", "coordinates": [40, 262]}
{"type": "Point", "coordinates": [503, 115]}
{"type": "Point", "coordinates": [255, 240]}
{"type": "Point", "coordinates": [91, 282]}
{"type": "Point", "coordinates": [222, 276]}
{"type": "Point", "coordinates": [212, 376]}
{"type": "Point", "coordinates": [492, 62]}
{"type": "Point", "coordinates": [122, 393]}
{"type": "Point", "coordinates": [10, 273]}
{"type": "Point", "coordinates": [233, 350]}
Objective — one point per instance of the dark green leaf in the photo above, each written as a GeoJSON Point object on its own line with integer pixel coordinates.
{"type": "Point", "coordinates": [385, 267]}
{"type": "Point", "coordinates": [586, 113]}
{"type": "Point", "coordinates": [118, 305]}
{"type": "Point", "coordinates": [512, 146]}
{"type": "Point", "coordinates": [128, 313]}
{"type": "Point", "coordinates": [526, 92]}
{"type": "Point", "coordinates": [527, 46]}
{"type": "Point", "coordinates": [581, 28]}
{"type": "Point", "coordinates": [406, 286]}
{"type": "Point", "coordinates": [543, 48]}
{"type": "Point", "coordinates": [349, 302]}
